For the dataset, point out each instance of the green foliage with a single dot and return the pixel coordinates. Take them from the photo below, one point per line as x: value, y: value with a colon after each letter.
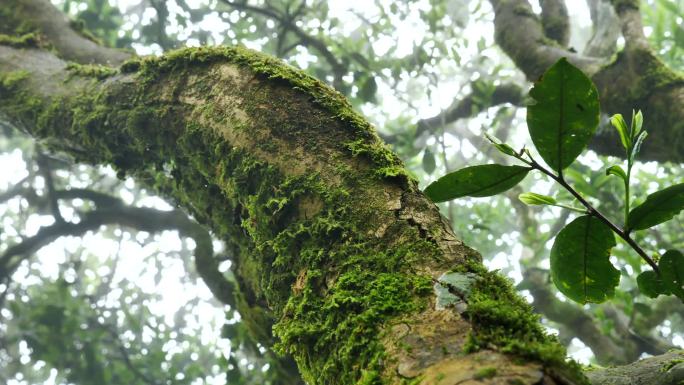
x: 476, y: 181
x: 659, y: 207
x: 531, y: 198
x: 565, y: 114
x: 580, y: 266
x: 672, y: 270
x: 650, y: 284
x: 561, y: 123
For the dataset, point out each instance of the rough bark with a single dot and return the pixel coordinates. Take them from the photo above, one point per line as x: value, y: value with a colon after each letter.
x: 635, y: 79
x: 341, y: 261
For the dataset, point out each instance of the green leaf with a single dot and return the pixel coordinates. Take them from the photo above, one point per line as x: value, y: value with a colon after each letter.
x: 503, y: 147
x: 530, y: 198
x: 672, y: 272
x: 659, y: 207
x: 637, y: 123
x: 637, y: 145
x: 621, y: 126
x: 650, y: 284
x: 429, y: 163
x: 476, y: 181
x: 565, y: 116
x: 580, y: 264
x: 617, y: 171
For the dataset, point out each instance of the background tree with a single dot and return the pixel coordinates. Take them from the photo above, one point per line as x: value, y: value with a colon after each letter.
x: 85, y: 321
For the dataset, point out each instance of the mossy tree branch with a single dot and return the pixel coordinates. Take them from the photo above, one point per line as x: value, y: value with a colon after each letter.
x: 334, y: 245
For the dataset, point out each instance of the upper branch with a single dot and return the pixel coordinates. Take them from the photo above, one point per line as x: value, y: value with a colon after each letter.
x: 54, y: 26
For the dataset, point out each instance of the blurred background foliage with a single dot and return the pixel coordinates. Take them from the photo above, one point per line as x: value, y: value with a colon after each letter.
x: 117, y: 301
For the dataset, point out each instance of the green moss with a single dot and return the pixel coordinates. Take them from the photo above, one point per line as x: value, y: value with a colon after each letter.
x: 10, y: 80
x: 485, y: 373
x: 91, y: 70
x: 671, y: 364
x: 501, y: 318
x: 389, y: 165
x: 28, y: 40
x: 150, y: 68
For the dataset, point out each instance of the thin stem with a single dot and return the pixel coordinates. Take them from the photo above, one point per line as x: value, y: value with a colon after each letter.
x: 629, y: 174
x: 592, y: 211
x: 576, y: 209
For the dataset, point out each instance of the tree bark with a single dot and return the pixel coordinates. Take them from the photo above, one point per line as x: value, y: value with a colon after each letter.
x: 341, y: 261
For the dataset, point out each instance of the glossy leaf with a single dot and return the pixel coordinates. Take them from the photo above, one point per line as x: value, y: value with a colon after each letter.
x: 580, y: 265
x: 617, y: 171
x: 650, y: 284
x: 530, y: 198
x: 659, y: 207
x: 621, y: 126
x: 476, y: 181
x: 672, y: 272
x: 565, y: 116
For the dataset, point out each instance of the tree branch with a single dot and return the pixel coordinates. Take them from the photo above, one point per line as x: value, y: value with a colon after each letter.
x: 667, y: 369
x: 277, y: 163
x: 606, y: 29
x: 55, y: 28
x: 555, y: 21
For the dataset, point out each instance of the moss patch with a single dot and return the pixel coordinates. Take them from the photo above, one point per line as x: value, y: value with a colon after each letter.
x: 91, y: 70
x: 28, y: 40
x: 501, y: 318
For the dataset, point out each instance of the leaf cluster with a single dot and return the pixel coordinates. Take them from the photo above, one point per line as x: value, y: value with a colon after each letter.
x: 562, y: 120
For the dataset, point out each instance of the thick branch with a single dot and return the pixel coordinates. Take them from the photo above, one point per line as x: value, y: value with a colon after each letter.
x: 55, y: 27
x: 667, y: 369
x: 277, y: 163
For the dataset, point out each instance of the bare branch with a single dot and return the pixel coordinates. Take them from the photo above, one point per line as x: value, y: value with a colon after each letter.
x: 666, y: 369
x: 555, y: 20
x: 54, y: 25
x: 606, y: 29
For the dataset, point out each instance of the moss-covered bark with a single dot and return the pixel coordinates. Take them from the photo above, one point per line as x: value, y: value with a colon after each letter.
x: 341, y: 261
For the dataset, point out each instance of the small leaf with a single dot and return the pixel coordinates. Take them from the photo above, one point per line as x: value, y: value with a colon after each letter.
x: 503, y: 147
x: 637, y: 123
x: 531, y: 198
x: 476, y: 181
x: 617, y: 171
x: 650, y: 284
x: 637, y: 145
x: 659, y: 207
x: 565, y: 116
x: 429, y: 163
x: 580, y: 264
x: 621, y: 126
x: 672, y: 272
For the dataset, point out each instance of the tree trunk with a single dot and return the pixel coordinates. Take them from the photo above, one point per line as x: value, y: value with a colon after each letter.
x: 341, y: 261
